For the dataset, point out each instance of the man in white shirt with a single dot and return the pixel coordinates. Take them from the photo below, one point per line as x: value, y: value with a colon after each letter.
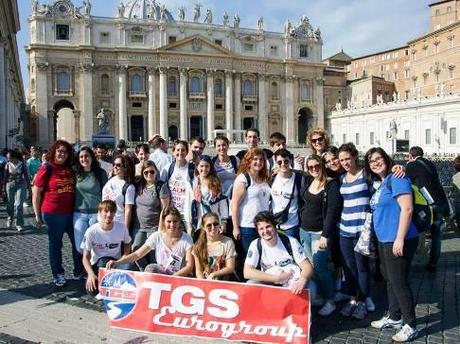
x: 276, y: 259
x: 160, y: 155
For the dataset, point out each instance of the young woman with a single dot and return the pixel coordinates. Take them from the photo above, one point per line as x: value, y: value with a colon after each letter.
x: 172, y: 246
x: 251, y: 195
x: 16, y: 182
x: 52, y: 198
x: 317, y: 140
x: 152, y: 195
x: 207, y: 192
x: 121, y: 190
x: 397, y: 242
x: 142, y: 154
x: 213, y: 252
x: 179, y: 176
x: 320, y: 213
x: 226, y: 166
x: 332, y: 161
x: 90, y: 179
x: 356, y: 192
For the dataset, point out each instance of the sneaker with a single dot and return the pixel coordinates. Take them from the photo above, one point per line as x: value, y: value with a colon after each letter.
x: 60, y: 281
x: 406, y: 334
x: 327, y: 309
x: 19, y: 228
x: 386, y: 322
x: 9, y: 222
x: 360, y: 311
x: 348, y: 309
x: 340, y: 297
x: 369, y: 304
x: 99, y: 296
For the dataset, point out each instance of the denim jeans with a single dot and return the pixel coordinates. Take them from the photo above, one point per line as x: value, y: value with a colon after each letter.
x: 139, y: 238
x: 436, y: 235
x: 320, y: 260
x: 355, y: 269
x: 81, y: 222
x: 57, y: 225
x: 293, y: 232
x: 248, y: 235
x: 16, y: 195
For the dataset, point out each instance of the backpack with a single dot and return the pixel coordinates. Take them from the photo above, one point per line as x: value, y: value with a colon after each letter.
x: 282, y: 216
x: 233, y: 161
x: 423, y: 211
x: 286, y: 243
x: 191, y: 171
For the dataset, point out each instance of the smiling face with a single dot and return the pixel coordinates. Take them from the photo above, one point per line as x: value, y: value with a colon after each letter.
x: 332, y: 162
x: 150, y: 175
x: 314, y: 167
x: 252, y: 140
x: 197, y: 148
x: 85, y: 160
x: 61, y: 155
x: 203, y: 168
x: 180, y: 152
x: 143, y: 155
x: 118, y: 168
x: 279, y: 145
x: 221, y: 147
x: 347, y: 161
x: 171, y: 223
x: 257, y: 164
x: 318, y: 142
x: 377, y: 164
x: 106, y: 216
x: 266, y: 231
x: 284, y: 164
x: 212, y: 227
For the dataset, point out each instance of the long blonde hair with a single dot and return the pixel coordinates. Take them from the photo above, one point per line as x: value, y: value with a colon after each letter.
x: 200, y: 249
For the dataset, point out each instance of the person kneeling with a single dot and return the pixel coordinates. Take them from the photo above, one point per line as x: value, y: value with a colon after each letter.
x: 102, y: 242
x: 276, y: 258
x: 172, y: 246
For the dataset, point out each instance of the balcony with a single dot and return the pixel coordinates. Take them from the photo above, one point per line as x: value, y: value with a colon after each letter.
x: 197, y: 95
x: 137, y: 94
x: 63, y: 92
x: 249, y: 99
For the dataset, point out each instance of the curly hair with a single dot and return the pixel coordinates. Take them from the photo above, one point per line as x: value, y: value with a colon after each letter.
x: 128, y: 166
x: 317, y: 131
x: 246, y: 163
x: 95, y: 165
x: 61, y: 143
x: 200, y: 249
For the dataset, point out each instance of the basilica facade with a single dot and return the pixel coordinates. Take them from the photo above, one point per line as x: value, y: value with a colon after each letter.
x: 150, y: 72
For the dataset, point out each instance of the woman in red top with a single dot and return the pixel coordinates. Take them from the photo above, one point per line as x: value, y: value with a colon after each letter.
x: 53, y: 195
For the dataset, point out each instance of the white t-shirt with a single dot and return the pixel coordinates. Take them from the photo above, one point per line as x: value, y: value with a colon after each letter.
x: 257, y: 199
x: 275, y: 255
x: 281, y: 192
x: 161, y: 159
x: 170, y: 260
x: 106, y: 166
x: 113, y: 190
x: 104, y: 243
x: 178, y: 184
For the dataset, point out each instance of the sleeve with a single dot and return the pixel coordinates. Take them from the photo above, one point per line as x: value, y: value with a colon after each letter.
x: 164, y: 191
x: 152, y: 240
x: 188, y: 241
x: 86, y: 242
x: 130, y: 195
x: 164, y: 173
x: 252, y: 258
x: 40, y: 177
x: 241, y: 179
x: 297, y: 251
x: 230, y: 250
x: 334, y: 205
x: 400, y: 186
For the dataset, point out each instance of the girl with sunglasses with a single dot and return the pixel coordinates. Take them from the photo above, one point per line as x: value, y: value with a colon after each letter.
x: 213, y: 252
x: 152, y: 195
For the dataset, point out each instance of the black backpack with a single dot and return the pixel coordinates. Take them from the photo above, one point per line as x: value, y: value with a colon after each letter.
x: 284, y: 239
x: 233, y: 161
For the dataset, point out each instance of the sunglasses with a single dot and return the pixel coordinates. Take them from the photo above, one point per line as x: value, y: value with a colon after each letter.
x: 317, y: 140
x: 283, y: 162
x: 313, y: 167
x: 214, y: 224
x: 149, y: 172
x: 118, y: 165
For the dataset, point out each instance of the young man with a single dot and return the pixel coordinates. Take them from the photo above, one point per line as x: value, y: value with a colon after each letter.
x: 102, y: 242
x: 101, y: 154
x: 142, y: 154
x: 196, y: 149
x: 251, y: 137
x: 160, y: 155
x: 422, y: 173
x: 278, y: 141
x: 276, y: 259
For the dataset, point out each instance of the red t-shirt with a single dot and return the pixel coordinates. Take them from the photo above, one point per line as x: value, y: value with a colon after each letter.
x: 59, y: 188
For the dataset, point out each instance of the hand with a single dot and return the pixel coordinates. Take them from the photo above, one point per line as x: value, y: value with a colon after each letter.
x: 283, y: 277
x: 111, y: 264
x: 322, y: 242
x: 299, y: 159
x: 38, y: 221
x: 236, y: 233
x: 211, y: 276
x: 398, y: 247
x: 91, y: 283
x: 197, y: 194
x: 298, y: 286
x: 398, y: 171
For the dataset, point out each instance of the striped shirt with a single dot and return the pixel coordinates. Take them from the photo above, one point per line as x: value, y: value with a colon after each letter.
x: 356, y: 196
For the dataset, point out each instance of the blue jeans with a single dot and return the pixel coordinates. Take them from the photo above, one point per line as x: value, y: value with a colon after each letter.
x: 436, y: 235
x: 16, y: 195
x: 139, y: 238
x: 293, y: 232
x: 57, y: 225
x: 81, y: 222
x: 320, y: 260
x: 248, y: 235
x: 355, y: 270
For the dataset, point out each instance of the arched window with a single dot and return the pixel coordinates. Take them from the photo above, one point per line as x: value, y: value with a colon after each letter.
x: 32, y: 84
x: 218, y: 88
x: 105, y: 82
x: 306, y: 92
x: 274, y: 90
x: 63, y: 82
x: 172, y: 86
x: 248, y: 88
x: 196, y: 85
x: 136, y: 83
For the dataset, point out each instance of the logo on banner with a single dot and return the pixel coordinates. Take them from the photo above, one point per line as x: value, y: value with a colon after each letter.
x: 119, y: 291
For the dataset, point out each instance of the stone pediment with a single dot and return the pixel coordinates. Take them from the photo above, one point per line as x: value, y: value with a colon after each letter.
x: 197, y: 44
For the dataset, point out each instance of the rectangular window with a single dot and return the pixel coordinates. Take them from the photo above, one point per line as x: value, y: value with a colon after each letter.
x: 303, y: 50
x: 357, y: 139
x: 172, y: 39
x: 62, y: 32
x: 453, y: 136
x: 428, y: 136
x: 451, y: 73
x: 218, y: 42
x: 248, y: 47
x: 173, y: 105
x: 406, y: 134
x: 437, y: 12
x: 382, y: 68
x: 344, y: 138
x: 248, y: 108
x: 136, y: 105
x: 395, y: 76
x: 449, y: 9
x: 219, y: 107
x: 371, y: 138
x: 407, y: 74
x: 137, y: 38
x: 274, y: 50
x: 104, y: 37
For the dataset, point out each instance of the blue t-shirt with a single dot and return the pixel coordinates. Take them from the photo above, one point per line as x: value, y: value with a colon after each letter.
x: 386, y: 210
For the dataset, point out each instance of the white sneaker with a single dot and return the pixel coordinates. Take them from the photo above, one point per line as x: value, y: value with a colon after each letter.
x: 386, y: 322
x: 99, y: 296
x: 19, y: 228
x: 370, y: 304
x: 327, y: 309
x: 60, y: 280
x: 406, y: 334
x: 9, y: 222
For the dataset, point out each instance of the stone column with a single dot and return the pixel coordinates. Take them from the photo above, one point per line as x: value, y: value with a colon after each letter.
x: 163, y: 103
x: 289, y: 111
x: 77, y: 116
x: 151, y: 123
x: 228, y: 102
x: 183, y: 133
x: 238, y: 105
x: 262, y: 107
x: 210, y: 98
x: 318, y: 96
x: 86, y: 104
x: 122, y: 114
x: 45, y: 130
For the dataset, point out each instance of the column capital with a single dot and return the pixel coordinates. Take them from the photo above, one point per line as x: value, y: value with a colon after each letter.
x: 151, y: 70
x: 183, y: 71
x: 228, y: 72
x: 42, y: 66
x: 163, y: 70
x: 76, y: 114
x: 262, y: 76
x: 211, y: 72
x: 121, y: 68
x: 290, y: 78
x: 86, y: 67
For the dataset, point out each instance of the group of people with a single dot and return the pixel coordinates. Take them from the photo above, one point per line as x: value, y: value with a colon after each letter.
x: 261, y: 216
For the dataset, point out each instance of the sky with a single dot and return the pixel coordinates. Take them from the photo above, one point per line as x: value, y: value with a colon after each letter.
x: 359, y: 27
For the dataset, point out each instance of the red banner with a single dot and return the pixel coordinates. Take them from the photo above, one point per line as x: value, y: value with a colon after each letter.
x: 212, y: 309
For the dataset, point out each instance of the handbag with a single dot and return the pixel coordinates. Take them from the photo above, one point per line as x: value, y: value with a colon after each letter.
x: 365, y: 245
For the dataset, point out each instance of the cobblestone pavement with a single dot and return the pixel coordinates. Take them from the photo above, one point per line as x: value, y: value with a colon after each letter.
x: 24, y: 269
